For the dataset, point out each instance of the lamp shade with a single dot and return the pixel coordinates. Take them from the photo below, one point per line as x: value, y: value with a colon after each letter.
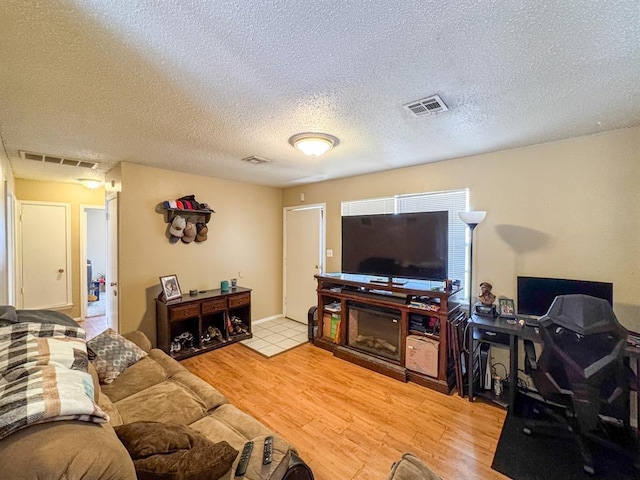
x: 472, y: 218
x: 313, y: 144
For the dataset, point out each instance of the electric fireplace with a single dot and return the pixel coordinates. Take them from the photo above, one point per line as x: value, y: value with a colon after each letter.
x: 374, y: 330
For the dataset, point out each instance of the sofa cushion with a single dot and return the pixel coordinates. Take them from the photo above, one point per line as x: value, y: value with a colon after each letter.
x: 166, y: 402
x: 139, y: 338
x: 65, y: 450
x: 236, y: 427
x: 110, y: 409
x: 113, y: 354
x: 169, y: 451
x: 144, y: 374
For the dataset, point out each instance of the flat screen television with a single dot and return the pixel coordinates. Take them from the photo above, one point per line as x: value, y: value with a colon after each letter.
x: 535, y: 295
x: 403, y: 245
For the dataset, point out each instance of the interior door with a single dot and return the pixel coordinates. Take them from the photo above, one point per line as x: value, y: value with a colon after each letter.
x: 111, y: 280
x: 303, y: 256
x: 45, y: 255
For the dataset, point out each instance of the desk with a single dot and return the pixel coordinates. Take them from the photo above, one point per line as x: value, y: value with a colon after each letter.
x: 493, y: 326
x: 501, y: 329
x: 634, y: 354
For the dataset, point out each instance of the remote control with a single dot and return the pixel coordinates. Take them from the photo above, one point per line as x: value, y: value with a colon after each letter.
x: 241, y: 469
x: 267, y: 454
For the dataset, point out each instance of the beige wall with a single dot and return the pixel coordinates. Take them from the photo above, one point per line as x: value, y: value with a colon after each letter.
x: 568, y: 209
x: 76, y: 195
x: 244, y: 241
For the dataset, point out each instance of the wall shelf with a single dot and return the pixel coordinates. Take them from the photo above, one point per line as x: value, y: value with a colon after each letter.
x: 200, y: 216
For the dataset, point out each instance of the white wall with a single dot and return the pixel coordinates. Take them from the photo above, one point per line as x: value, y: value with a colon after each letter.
x: 97, y: 241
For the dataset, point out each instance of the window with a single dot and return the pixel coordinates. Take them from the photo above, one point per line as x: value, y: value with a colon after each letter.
x: 452, y: 201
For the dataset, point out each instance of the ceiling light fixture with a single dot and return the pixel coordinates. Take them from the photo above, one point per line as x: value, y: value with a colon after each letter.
x: 313, y: 144
x: 90, y: 183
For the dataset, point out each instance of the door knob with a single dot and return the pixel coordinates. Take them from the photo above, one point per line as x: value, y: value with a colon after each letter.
x: 61, y: 270
x: 113, y: 284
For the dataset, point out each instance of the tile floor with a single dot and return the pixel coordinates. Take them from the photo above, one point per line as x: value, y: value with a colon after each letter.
x: 276, y: 336
x: 97, y: 308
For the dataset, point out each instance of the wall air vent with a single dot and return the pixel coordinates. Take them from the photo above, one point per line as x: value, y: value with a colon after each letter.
x: 255, y: 160
x: 41, y: 157
x: 426, y: 106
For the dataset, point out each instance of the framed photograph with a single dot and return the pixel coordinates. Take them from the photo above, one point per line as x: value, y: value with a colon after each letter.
x: 506, y: 308
x: 170, y: 287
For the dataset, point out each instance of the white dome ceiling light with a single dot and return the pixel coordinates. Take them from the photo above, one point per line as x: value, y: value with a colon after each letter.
x: 313, y: 144
x: 90, y: 183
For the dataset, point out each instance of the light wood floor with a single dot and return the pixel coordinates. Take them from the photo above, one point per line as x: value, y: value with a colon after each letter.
x: 350, y: 423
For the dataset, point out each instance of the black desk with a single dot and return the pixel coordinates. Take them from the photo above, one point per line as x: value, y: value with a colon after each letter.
x: 511, y: 333
x: 634, y: 354
x: 504, y: 333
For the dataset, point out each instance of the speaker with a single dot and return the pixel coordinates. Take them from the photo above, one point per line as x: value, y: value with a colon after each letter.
x: 312, y: 322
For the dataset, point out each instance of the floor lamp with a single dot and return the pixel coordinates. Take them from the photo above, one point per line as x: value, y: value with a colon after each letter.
x: 472, y: 219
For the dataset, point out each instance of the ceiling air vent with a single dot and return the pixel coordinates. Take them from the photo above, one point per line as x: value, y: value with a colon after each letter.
x: 41, y: 157
x: 255, y: 160
x: 426, y: 106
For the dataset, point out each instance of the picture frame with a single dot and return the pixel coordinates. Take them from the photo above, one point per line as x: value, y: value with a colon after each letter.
x: 170, y: 287
x: 506, y: 308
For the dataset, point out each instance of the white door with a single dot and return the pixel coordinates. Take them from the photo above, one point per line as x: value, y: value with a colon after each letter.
x: 111, y: 280
x: 304, y: 235
x: 45, y: 255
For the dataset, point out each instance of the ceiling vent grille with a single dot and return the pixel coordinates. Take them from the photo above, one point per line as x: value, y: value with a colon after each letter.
x: 255, y: 160
x: 426, y: 106
x: 41, y: 157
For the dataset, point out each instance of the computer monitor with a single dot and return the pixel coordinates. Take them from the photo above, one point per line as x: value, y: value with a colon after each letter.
x: 535, y: 294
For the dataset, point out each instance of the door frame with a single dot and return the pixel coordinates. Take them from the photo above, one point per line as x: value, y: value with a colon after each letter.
x: 112, y: 251
x: 321, y: 256
x: 19, y: 253
x: 11, y: 242
x: 84, y: 291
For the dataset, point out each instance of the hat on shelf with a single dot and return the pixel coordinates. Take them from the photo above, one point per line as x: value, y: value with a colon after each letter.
x: 189, y: 233
x: 177, y: 228
x: 202, y: 232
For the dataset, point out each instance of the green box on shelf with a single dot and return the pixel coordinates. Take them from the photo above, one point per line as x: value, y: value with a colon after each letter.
x: 335, y: 320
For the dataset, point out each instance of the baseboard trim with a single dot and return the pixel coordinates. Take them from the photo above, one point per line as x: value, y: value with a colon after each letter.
x: 266, y: 319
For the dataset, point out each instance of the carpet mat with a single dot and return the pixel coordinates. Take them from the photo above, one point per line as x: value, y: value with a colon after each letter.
x: 542, y: 457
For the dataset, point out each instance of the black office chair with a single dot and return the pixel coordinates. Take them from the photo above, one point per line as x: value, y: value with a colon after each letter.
x: 582, y: 369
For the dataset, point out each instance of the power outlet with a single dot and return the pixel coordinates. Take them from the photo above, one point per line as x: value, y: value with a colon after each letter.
x: 329, y: 253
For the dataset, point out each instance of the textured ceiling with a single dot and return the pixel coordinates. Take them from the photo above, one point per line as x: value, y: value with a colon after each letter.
x: 196, y: 86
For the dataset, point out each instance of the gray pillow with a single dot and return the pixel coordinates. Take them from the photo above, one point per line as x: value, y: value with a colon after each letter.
x: 8, y: 315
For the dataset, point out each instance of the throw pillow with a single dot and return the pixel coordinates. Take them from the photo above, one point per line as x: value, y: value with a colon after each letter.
x: 112, y: 354
x: 174, y: 452
x: 8, y: 315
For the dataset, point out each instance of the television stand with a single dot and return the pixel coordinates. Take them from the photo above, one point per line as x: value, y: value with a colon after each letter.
x: 399, y: 330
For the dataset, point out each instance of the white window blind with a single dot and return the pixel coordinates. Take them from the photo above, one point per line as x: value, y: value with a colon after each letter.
x: 452, y: 201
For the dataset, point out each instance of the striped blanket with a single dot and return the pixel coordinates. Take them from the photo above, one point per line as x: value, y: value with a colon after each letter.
x: 44, y: 377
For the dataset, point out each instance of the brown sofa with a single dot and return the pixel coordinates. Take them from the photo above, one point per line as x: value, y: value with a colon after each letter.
x: 157, y: 388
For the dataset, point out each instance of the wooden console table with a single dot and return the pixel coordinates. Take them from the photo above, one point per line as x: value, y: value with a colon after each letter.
x: 194, y: 314
x: 340, y: 293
